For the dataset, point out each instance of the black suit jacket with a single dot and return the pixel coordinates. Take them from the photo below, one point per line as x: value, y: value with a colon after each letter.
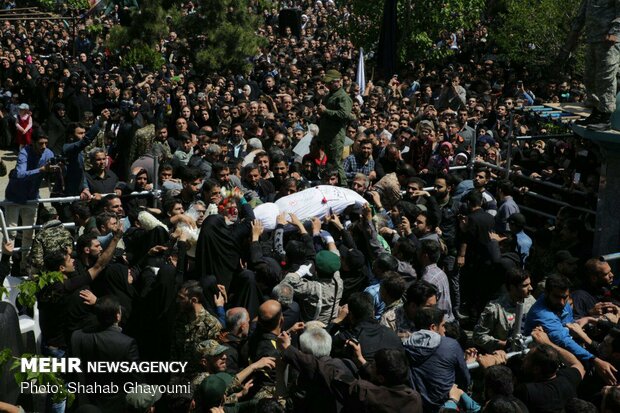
x: 109, y: 344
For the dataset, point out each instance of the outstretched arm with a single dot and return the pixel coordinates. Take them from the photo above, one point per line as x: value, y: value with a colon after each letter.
x: 106, y: 256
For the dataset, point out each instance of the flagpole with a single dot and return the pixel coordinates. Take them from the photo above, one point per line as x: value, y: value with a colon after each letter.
x: 361, y: 72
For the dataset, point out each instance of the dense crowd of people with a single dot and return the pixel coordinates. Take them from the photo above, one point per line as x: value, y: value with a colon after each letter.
x: 376, y: 308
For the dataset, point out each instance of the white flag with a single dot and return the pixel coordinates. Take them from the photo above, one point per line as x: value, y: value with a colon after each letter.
x: 361, y: 74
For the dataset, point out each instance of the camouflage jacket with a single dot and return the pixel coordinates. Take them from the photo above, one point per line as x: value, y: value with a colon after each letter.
x: 230, y: 395
x: 191, y: 332
x: 388, y: 318
x: 53, y: 237
x: 599, y: 18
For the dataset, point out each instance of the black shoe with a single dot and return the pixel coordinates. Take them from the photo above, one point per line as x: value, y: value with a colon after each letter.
x: 600, y: 127
x: 602, y: 124
x: 593, y: 118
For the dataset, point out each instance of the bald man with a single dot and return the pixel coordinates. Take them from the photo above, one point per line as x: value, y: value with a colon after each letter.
x: 234, y: 338
x: 263, y: 344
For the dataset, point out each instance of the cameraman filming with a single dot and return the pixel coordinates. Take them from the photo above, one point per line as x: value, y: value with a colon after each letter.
x: 33, y: 162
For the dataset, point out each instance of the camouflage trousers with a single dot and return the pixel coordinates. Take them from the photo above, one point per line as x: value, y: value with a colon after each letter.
x: 601, y: 66
x: 266, y: 392
x: 28, y: 215
x: 269, y: 392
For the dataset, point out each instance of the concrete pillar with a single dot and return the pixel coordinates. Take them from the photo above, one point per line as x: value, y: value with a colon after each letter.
x: 607, y: 235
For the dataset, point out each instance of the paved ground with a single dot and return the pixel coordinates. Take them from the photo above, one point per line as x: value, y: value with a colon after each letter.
x: 10, y: 158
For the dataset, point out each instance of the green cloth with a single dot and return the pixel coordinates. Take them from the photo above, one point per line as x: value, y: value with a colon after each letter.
x: 384, y: 244
x: 211, y: 391
x: 327, y: 262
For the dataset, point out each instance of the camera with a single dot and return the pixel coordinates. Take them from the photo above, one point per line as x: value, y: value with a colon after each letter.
x: 56, y: 160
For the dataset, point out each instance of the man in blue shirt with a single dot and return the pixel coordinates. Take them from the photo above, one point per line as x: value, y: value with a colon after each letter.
x: 507, y: 206
x: 75, y: 184
x: 553, y: 312
x: 383, y: 263
x: 517, y: 223
x: 33, y: 162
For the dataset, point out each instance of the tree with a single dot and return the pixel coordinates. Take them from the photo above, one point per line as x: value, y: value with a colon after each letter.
x: 221, y: 35
x: 531, y: 32
x: 70, y: 4
x: 138, y: 42
x: 421, y: 25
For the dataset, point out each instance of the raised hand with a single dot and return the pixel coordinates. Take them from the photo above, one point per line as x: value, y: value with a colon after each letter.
x: 257, y: 229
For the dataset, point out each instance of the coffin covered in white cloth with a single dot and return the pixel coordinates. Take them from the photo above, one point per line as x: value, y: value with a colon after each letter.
x: 312, y: 202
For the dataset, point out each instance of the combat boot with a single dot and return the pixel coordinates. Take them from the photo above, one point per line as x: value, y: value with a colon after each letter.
x: 603, y: 123
x: 593, y: 118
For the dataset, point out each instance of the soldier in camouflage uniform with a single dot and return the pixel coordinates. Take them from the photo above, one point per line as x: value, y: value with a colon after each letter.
x: 335, y: 113
x: 52, y: 237
x: 211, y: 355
x: 601, y: 20
x: 194, y: 325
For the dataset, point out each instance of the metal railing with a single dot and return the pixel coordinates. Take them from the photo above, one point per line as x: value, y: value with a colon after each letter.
x: 35, y: 227
x: 62, y: 200
x: 69, y: 199
x: 458, y: 167
x: 558, y: 202
x: 611, y: 257
x: 527, y: 178
x: 5, y: 232
x: 536, y: 212
x: 545, y: 137
x: 475, y: 364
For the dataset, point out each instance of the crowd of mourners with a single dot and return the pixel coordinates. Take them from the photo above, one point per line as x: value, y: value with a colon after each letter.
x: 378, y: 308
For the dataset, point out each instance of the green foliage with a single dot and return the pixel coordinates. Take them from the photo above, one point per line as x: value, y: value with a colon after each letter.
x: 137, y: 42
x: 421, y: 25
x: 531, y: 32
x: 70, y: 4
x: 95, y: 29
x: 364, y: 23
x: 5, y: 355
x: 40, y: 378
x: 556, y: 127
x: 28, y: 290
x: 221, y: 35
x: 142, y: 55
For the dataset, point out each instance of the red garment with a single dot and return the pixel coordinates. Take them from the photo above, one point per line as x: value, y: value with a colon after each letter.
x: 319, y: 162
x: 24, y: 138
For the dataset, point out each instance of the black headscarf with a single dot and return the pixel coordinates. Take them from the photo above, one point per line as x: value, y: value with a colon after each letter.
x: 139, y: 241
x: 114, y: 281
x: 217, y: 252
x: 155, y: 312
